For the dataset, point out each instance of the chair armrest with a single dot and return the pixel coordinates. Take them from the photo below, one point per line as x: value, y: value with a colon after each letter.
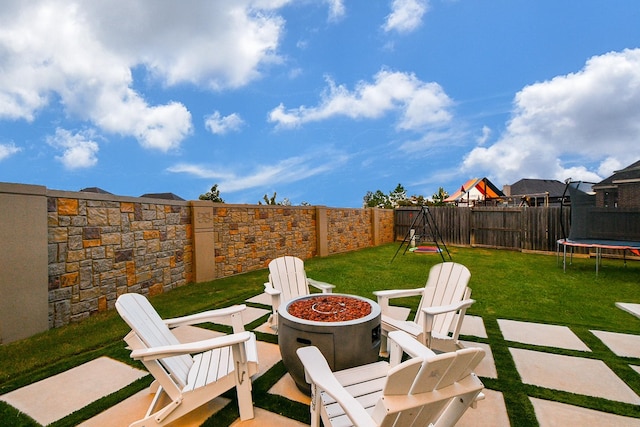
x: 398, y: 293
x: 268, y: 289
x: 190, y: 348
x: 448, y: 308
x: 205, y: 316
x: 409, y: 345
x: 317, y: 372
x: 326, y: 288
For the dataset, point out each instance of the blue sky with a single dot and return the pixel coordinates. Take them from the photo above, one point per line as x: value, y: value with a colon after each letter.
x: 319, y: 101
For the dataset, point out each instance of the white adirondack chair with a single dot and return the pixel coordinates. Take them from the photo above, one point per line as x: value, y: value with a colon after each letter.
x: 425, y: 390
x: 182, y: 382
x: 439, y: 316
x: 288, y: 280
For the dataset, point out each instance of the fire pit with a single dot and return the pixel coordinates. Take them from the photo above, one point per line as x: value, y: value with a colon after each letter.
x: 345, y: 328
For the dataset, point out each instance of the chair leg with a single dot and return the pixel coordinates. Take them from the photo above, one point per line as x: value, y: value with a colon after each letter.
x: 384, y: 345
x: 316, y: 405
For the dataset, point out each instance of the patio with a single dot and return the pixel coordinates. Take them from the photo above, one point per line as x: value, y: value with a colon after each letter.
x: 541, y: 368
x: 535, y: 373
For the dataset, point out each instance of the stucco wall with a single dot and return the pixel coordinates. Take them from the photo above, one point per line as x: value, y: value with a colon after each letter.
x: 23, y: 264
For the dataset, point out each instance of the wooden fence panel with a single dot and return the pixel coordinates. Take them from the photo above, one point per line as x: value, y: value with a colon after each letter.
x: 496, y: 228
x: 517, y: 228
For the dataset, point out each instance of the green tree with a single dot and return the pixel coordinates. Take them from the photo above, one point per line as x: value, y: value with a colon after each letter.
x: 377, y: 200
x: 438, y: 198
x: 398, y: 197
x: 213, y: 195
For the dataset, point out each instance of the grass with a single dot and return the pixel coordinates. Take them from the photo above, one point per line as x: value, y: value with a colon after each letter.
x: 505, y: 284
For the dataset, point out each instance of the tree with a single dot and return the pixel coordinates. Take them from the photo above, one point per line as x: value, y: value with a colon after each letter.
x: 377, y: 200
x: 213, y: 195
x: 438, y: 198
x: 398, y: 196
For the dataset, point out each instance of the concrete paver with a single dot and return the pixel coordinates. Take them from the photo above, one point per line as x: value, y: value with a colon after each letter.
x: 573, y: 374
x: 630, y: 308
x: 63, y: 394
x: 623, y: 345
x: 473, y: 325
x: 541, y: 334
x: 556, y: 414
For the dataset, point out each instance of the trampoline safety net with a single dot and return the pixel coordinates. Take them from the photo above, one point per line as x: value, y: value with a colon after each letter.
x: 589, y: 222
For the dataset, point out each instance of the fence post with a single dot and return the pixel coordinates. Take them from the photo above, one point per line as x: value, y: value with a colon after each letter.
x: 322, y: 231
x: 24, y: 307
x: 204, y: 257
x: 375, y: 226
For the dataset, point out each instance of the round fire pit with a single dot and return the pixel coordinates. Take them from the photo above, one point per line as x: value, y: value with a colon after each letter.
x: 345, y: 328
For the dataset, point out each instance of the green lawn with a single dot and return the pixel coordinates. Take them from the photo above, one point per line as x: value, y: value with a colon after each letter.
x: 505, y: 284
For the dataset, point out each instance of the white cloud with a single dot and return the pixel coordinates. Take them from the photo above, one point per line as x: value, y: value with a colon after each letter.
x: 219, y: 125
x: 289, y: 170
x: 7, y: 150
x: 486, y: 133
x: 336, y: 9
x: 81, y: 54
x: 591, y: 117
x: 420, y: 104
x: 79, y: 150
x: 406, y: 15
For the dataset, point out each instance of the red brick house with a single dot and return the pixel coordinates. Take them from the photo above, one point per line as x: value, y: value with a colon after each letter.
x: 620, y: 190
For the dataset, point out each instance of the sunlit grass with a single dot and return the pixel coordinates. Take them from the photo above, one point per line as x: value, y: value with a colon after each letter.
x: 505, y: 284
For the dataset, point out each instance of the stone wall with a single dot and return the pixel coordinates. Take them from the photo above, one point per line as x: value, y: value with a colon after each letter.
x: 101, y: 246
x: 247, y: 237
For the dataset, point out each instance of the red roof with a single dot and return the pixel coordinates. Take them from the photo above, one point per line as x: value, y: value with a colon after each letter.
x: 483, y: 185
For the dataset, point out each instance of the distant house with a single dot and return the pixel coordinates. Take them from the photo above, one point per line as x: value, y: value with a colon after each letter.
x: 535, y: 192
x: 620, y: 190
x: 165, y: 196
x: 94, y: 190
x: 476, y: 192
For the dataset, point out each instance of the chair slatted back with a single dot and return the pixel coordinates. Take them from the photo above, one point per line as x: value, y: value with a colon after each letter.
x: 408, y: 395
x: 143, y: 319
x: 287, y: 275
x: 447, y: 283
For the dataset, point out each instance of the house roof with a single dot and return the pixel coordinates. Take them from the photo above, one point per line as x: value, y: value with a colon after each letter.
x: 94, y: 190
x: 165, y: 196
x: 531, y: 187
x: 630, y: 173
x: 483, y: 185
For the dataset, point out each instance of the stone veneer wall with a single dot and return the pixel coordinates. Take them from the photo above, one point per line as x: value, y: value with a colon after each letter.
x: 101, y: 246
x: 247, y: 237
x: 88, y: 248
x: 352, y: 229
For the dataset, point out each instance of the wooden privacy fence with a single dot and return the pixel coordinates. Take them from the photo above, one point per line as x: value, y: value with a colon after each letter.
x: 530, y: 228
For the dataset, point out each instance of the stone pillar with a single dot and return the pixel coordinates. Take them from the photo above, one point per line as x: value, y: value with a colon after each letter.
x: 24, y: 308
x: 322, y: 231
x: 375, y: 226
x: 204, y: 261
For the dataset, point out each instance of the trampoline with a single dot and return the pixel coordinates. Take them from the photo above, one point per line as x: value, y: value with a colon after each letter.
x: 597, y: 228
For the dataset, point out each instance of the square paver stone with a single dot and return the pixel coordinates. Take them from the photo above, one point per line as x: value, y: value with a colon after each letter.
x: 263, y: 298
x: 135, y: 407
x: 489, y: 412
x: 487, y: 366
x: 552, y: 414
x: 56, y: 397
x: 630, y: 308
x: 573, y: 374
x: 474, y: 326
x: 623, y: 345
x: 541, y: 334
